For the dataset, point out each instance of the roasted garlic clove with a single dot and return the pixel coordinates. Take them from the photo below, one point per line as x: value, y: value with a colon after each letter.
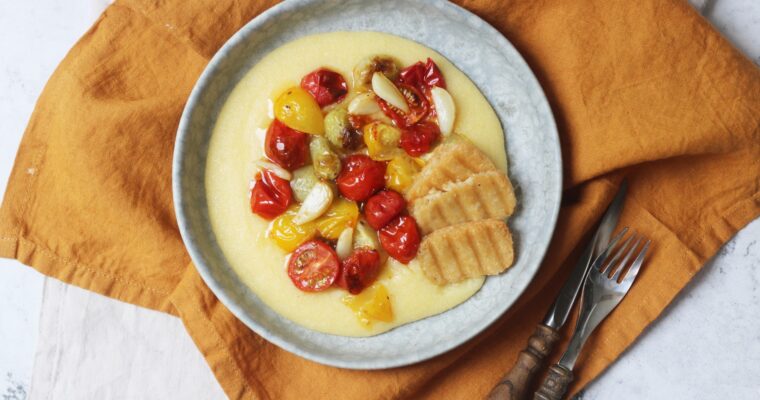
x: 386, y: 90
x: 276, y: 169
x: 444, y: 109
x: 316, y: 203
x: 345, y: 243
x: 365, y: 236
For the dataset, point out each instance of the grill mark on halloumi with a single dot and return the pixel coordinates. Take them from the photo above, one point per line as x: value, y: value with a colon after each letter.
x: 437, y: 264
x: 458, y: 264
x: 450, y: 162
x: 482, y: 196
x: 471, y: 243
x: 451, y: 255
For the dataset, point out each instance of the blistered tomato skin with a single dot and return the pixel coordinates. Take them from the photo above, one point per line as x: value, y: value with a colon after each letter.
x: 271, y: 195
x: 419, y: 139
x: 314, y: 266
x: 422, y: 76
x: 297, y: 109
x: 419, y: 106
x: 342, y: 214
x: 327, y: 87
x: 401, y: 238
x: 359, y: 270
x: 285, y: 146
x: 401, y: 171
x: 360, y: 177
x: 382, y: 208
x: 287, y: 234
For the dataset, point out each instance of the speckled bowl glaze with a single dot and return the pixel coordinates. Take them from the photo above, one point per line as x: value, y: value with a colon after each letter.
x: 532, y: 147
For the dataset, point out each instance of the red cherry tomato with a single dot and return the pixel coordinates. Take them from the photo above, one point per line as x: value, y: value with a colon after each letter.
x: 313, y: 266
x: 360, y: 177
x: 400, y: 238
x: 287, y: 147
x: 326, y: 86
x: 359, y: 270
x: 271, y: 195
x: 418, y: 107
x: 422, y: 76
x: 418, y: 139
x: 383, y: 207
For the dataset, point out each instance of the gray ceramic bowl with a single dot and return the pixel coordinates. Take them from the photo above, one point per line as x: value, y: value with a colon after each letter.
x: 501, y: 74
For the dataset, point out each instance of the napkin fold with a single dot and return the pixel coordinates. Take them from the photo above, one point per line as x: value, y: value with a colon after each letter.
x: 646, y: 90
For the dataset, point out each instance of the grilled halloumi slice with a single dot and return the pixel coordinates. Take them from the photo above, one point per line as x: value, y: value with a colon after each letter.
x: 451, y: 162
x: 467, y: 250
x: 481, y: 196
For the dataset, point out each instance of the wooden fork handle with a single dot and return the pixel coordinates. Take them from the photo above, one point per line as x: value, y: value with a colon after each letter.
x: 515, y: 383
x: 555, y: 385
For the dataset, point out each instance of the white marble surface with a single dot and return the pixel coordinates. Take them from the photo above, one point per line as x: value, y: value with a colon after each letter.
x: 61, y: 342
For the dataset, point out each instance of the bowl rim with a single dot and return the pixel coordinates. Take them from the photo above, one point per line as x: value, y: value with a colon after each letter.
x: 203, y: 267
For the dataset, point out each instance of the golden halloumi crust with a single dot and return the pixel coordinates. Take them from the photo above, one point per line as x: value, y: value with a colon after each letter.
x: 467, y: 250
x: 481, y: 196
x: 451, y: 162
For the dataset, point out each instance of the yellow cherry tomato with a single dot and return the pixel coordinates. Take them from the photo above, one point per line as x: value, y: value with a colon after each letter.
x: 373, y: 304
x: 341, y: 215
x: 381, y: 140
x: 287, y: 234
x: 401, y: 172
x: 297, y: 109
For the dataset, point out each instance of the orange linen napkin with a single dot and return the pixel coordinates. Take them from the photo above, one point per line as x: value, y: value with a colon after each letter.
x: 645, y: 89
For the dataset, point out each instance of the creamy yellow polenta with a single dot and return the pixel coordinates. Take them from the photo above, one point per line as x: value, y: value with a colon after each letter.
x: 238, y: 140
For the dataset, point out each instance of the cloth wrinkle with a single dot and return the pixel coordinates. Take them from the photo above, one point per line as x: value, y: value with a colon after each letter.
x: 650, y: 92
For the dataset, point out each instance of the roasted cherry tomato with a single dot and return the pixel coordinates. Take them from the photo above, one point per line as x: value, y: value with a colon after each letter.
x: 271, y: 195
x: 359, y: 270
x: 418, y: 139
x: 400, y: 238
x: 401, y: 171
x: 326, y: 86
x: 382, y: 208
x: 422, y: 76
x: 342, y: 214
x: 417, y: 102
x: 373, y: 304
x: 287, y: 234
x: 314, y: 266
x: 297, y: 109
x: 287, y: 147
x: 360, y: 177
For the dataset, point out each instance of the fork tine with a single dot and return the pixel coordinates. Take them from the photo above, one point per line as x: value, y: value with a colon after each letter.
x: 599, y: 260
x: 611, y: 264
x: 634, y: 270
x: 624, y: 261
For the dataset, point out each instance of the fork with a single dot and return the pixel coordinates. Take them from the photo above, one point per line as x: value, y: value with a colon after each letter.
x: 607, y: 283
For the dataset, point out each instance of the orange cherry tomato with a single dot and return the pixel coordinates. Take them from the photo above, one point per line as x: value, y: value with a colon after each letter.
x: 314, y: 266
